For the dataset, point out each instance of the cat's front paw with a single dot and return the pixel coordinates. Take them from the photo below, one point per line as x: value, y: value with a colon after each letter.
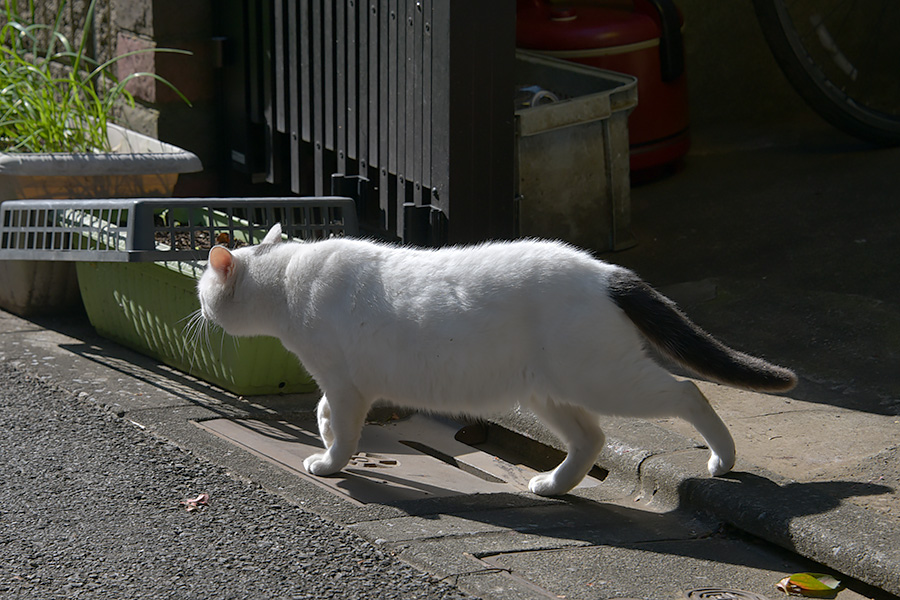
x: 321, y: 464
x: 718, y: 466
x: 546, y: 484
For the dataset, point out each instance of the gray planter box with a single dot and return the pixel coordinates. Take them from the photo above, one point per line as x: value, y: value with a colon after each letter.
x: 138, y: 167
x: 572, y: 155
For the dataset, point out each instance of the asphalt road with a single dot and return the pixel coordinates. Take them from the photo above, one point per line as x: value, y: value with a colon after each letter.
x: 90, y: 507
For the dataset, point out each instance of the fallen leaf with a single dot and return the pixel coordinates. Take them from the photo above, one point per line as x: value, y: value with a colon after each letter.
x: 223, y: 239
x: 814, y: 585
x: 193, y: 504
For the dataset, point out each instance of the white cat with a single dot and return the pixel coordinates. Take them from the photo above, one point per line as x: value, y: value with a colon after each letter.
x: 476, y: 330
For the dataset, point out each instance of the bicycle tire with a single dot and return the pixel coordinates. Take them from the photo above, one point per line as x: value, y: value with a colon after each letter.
x: 851, y: 80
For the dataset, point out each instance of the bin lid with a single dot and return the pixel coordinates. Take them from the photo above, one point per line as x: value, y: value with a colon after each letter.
x: 541, y: 25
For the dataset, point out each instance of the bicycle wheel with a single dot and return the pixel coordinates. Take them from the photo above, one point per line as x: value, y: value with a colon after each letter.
x: 843, y: 58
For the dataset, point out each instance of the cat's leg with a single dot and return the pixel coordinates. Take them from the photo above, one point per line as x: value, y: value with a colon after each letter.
x: 696, y: 409
x: 323, y: 416
x: 580, y: 431
x: 341, y: 416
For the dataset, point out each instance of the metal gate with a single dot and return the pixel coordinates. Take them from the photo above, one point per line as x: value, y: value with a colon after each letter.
x: 405, y: 105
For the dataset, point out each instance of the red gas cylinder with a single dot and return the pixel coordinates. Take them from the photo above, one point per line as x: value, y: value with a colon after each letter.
x: 638, y: 37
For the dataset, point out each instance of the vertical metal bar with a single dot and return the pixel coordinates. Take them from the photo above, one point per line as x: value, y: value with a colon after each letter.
x: 352, y: 59
x: 393, y: 112
x: 269, y: 99
x: 281, y: 72
x: 374, y: 130
x: 493, y: 208
x: 318, y: 80
x: 427, y: 19
x: 304, y: 41
x: 401, y: 120
x: 294, y: 36
x: 384, y: 120
x: 411, y: 87
x: 401, y: 91
x: 329, y: 68
x: 440, y: 107
x: 393, y: 89
x: 478, y: 119
x: 340, y: 75
x: 363, y: 72
x: 418, y: 31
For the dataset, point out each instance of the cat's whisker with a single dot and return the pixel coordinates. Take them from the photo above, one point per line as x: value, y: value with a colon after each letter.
x: 191, y: 316
x: 207, y: 336
x: 191, y: 331
x: 201, y: 338
x: 209, y: 345
x: 197, y: 337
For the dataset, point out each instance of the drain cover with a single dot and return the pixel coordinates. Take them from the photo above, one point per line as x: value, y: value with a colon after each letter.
x: 410, y: 459
x: 712, y: 593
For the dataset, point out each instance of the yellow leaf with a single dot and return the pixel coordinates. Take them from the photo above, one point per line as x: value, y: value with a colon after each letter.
x: 816, y: 585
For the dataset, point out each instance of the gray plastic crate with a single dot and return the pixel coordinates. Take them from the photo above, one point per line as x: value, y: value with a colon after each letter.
x: 163, y: 229
x: 573, y: 177
x: 138, y: 262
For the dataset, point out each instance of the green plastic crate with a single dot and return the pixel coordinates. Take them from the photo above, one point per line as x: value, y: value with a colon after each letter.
x: 147, y: 307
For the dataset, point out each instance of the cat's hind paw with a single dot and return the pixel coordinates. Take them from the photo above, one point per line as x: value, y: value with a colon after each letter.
x: 321, y: 464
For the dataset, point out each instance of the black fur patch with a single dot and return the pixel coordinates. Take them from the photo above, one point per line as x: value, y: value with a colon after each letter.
x: 669, y: 330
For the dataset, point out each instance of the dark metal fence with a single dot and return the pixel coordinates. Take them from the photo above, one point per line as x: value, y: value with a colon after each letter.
x: 405, y: 105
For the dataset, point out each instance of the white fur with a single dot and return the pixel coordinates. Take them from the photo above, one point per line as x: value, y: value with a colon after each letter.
x: 472, y: 330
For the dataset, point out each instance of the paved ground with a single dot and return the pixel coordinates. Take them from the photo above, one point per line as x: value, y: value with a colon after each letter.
x: 90, y: 508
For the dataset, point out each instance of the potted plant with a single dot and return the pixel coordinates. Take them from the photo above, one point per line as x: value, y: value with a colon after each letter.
x: 57, y: 141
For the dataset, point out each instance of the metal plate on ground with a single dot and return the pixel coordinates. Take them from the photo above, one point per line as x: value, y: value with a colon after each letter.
x: 409, y: 459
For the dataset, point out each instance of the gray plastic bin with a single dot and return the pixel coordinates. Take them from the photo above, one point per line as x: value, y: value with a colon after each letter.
x: 159, y: 229
x: 572, y: 155
x: 148, y: 305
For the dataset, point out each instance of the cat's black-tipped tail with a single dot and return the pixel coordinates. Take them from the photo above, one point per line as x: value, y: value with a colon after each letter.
x: 670, y: 331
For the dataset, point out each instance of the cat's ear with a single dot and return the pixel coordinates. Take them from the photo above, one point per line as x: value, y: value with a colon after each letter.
x: 221, y: 261
x: 274, y: 235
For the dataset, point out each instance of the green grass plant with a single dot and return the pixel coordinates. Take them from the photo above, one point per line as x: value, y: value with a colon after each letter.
x: 53, y: 96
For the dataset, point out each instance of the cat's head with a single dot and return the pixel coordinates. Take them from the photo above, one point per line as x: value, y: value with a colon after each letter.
x: 231, y: 290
